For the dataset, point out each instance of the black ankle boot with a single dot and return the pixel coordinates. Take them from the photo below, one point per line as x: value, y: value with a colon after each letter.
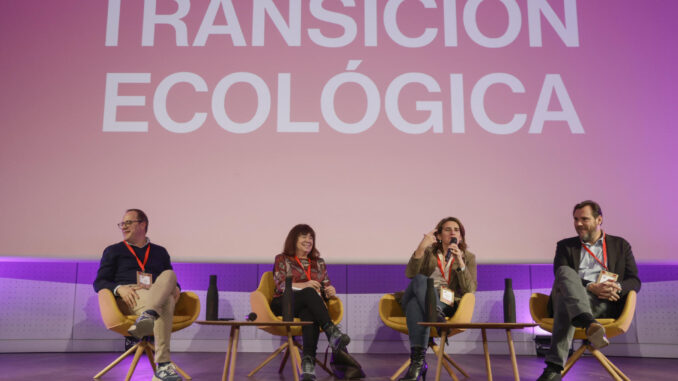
x: 308, y: 368
x: 336, y: 338
x: 418, y: 366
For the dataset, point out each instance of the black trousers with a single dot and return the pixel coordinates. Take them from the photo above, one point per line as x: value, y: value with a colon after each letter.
x: 308, y: 306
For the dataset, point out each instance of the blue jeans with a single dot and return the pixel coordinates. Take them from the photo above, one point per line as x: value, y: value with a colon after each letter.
x: 413, y: 303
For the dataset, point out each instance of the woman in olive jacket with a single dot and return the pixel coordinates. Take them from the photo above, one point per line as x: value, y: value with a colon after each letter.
x: 442, y: 256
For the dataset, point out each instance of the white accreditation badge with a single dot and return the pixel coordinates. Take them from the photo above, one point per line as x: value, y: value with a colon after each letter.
x: 446, y: 296
x: 144, y: 280
x: 604, y: 276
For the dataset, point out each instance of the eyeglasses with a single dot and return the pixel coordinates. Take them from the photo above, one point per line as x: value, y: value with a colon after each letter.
x: 127, y: 223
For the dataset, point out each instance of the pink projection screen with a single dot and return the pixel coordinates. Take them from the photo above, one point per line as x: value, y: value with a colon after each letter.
x: 229, y: 121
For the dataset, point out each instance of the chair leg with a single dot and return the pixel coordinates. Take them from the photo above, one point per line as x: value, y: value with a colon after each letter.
x: 116, y: 362
x: 615, y: 372
x: 400, y: 370
x: 151, y: 356
x: 295, y: 357
x: 573, y: 359
x: 137, y: 355
x: 283, y: 362
x: 619, y: 372
x: 268, y: 359
x: 181, y: 371
x: 605, y: 363
x: 445, y: 357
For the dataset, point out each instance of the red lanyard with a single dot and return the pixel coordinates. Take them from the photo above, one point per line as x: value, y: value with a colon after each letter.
x: 142, y: 265
x: 594, y: 256
x: 308, y: 272
x: 442, y: 272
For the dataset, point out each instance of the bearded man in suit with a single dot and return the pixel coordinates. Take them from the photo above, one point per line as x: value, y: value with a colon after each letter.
x: 578, y: 298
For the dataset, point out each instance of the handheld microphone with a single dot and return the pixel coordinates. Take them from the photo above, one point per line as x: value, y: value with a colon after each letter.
x: 251, y: 317
x: 453, y: 241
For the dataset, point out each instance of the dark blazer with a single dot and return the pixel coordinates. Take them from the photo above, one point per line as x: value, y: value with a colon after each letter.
x: 620, y: 261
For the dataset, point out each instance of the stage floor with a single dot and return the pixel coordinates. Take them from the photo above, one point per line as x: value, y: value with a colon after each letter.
x: 208, y: 366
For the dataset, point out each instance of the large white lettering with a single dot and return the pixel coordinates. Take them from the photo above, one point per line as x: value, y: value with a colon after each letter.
x: 478, y: 103
x: 160, y: 102
x: 290, y: 27
x: 345, y: 22
x: 263, y: 103
x: 284, y: 109
x: 290, y: 32
x: 112, y: 101
x: 554, y: 84
x: 393, y: 31
x: 151, y: 19
x: 553, y: 87
x: 231, y: 28
x: 435, y: 108
x: 512, y: 30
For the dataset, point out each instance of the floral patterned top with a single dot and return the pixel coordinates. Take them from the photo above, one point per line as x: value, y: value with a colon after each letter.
x: 285, y: 265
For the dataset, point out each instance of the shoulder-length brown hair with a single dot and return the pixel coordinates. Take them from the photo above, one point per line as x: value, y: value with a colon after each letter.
x: 439, y: 229
x: 290, y: 248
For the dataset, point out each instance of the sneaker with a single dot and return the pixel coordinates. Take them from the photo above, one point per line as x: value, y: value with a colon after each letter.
x: 550, y: 374
x: 144, y: 324
x: 166, y: 372
x: 130, y: 341
x: 308, y: 368
x: 595, y: 333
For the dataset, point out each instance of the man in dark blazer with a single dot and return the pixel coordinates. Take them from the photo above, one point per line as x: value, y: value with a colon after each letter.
x: 577, y: 297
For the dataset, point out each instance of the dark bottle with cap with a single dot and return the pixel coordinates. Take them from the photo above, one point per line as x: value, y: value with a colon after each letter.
x: 430, y: 302
x: 509, y: 302
x: 212, y: 305
x: 288, y: 300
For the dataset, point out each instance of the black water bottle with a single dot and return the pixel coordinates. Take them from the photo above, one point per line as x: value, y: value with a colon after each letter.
x: 430, y: 302
x: 212, y: 307
x: 509, y: 302
x: 288, y: 301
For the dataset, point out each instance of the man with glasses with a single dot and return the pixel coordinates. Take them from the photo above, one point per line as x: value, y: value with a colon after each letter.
x: 140, y: 273
x: 594, y: 272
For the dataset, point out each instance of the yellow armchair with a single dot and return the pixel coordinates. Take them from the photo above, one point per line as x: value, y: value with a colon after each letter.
x: 186, y: 312
x: 613, y: 327
x: 260, y: 301
x: 393, y: 317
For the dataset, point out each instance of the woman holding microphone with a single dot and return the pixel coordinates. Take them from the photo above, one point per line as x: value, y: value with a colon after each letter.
x: 442, y: 256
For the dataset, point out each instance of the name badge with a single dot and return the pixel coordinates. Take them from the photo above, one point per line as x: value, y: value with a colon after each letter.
x: 604, y: 276
x: 446, y: 296
x: 144, y: 280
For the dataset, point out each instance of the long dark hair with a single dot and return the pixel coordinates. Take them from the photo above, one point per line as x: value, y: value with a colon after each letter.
x: 439, y: 229
x: 290, y: 248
